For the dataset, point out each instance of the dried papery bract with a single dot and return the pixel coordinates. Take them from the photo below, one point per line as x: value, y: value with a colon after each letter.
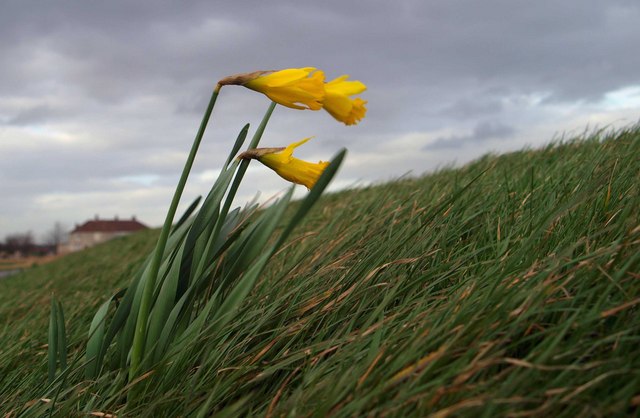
x: 241, y: 78
x: 256, y: 153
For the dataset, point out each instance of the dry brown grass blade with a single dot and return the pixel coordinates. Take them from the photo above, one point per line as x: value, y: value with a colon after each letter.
x: 264, y: 351
x: 467, y: 403
x: 278, y: 394
x: 620, y: 308
x: 528, y: 365
x: 589, y: 384
x: 416, y: 367
x: 138, y: 380
x: 368, y: 277
x: 370, y: 368
x: 102, y: 414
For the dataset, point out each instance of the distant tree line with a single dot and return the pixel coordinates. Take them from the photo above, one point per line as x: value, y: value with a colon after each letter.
x: 20, y: 243
x: 24, y: 243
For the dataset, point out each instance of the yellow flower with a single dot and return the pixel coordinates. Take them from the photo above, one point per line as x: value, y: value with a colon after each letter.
x: 338, y: 103
x: 297, y: 88
x: 282, y: 161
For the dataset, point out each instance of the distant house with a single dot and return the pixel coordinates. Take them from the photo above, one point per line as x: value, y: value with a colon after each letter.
x: 97, y: 231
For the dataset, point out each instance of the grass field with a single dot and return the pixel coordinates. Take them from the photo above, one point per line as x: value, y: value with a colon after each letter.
x: 25, y: 262
x: 508, y: 287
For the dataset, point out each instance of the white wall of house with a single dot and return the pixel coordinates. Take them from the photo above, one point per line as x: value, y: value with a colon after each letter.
x: 81, y: 240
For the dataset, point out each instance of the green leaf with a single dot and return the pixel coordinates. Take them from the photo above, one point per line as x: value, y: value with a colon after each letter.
x: 255, y: 237
x: 240, y: 291
x: 187, y: 213
x: 164, y: 304
x: 62, y: 337
x: 96, y: 339
x: 52, y: 349
x: 204, y: 219
x: 242, y: 136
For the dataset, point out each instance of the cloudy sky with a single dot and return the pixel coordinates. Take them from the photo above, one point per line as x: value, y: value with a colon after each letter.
x: 100, y: 101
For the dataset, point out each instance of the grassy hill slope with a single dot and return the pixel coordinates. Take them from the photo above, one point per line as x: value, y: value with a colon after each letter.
x: 510, y: 286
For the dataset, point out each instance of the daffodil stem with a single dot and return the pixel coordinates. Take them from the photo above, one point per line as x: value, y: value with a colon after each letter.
x: 245, y: 163
x: 265, y: 119
x: 140, y: 335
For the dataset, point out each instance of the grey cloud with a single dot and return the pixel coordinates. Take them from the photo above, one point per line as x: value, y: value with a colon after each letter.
x: 468, y: 107
x: 128, y: 81
x: 543, y: 45
x: 34, y: 115
x: 482, y: 132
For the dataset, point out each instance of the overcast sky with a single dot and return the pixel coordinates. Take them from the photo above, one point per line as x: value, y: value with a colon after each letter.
x: 100, y: 101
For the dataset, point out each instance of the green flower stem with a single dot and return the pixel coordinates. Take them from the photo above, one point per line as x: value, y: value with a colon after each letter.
x: 244, y: 164
x: 139, y: 338
x: 237, y: 180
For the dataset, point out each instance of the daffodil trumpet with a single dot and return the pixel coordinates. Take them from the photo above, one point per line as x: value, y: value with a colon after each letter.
x: 282, y: 161
x: 338, y: 101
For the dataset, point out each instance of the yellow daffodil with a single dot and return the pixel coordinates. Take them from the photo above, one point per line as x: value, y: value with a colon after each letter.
x: 340, y: 105
x: 297, y: 88
x: 282, y: 161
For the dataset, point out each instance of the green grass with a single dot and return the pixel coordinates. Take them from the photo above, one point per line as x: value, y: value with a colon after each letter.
x: 510, y: 286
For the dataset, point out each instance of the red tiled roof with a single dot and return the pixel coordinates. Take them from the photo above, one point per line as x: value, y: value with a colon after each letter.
x: 110, y: 225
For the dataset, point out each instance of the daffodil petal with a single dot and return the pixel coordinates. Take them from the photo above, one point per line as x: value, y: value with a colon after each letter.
x: 297, y: 88
x: 340, y: 105
x: 288, y: 76
x: 341, y: 86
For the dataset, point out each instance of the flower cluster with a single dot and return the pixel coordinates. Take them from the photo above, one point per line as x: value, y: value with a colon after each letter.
x: 301, y: 88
